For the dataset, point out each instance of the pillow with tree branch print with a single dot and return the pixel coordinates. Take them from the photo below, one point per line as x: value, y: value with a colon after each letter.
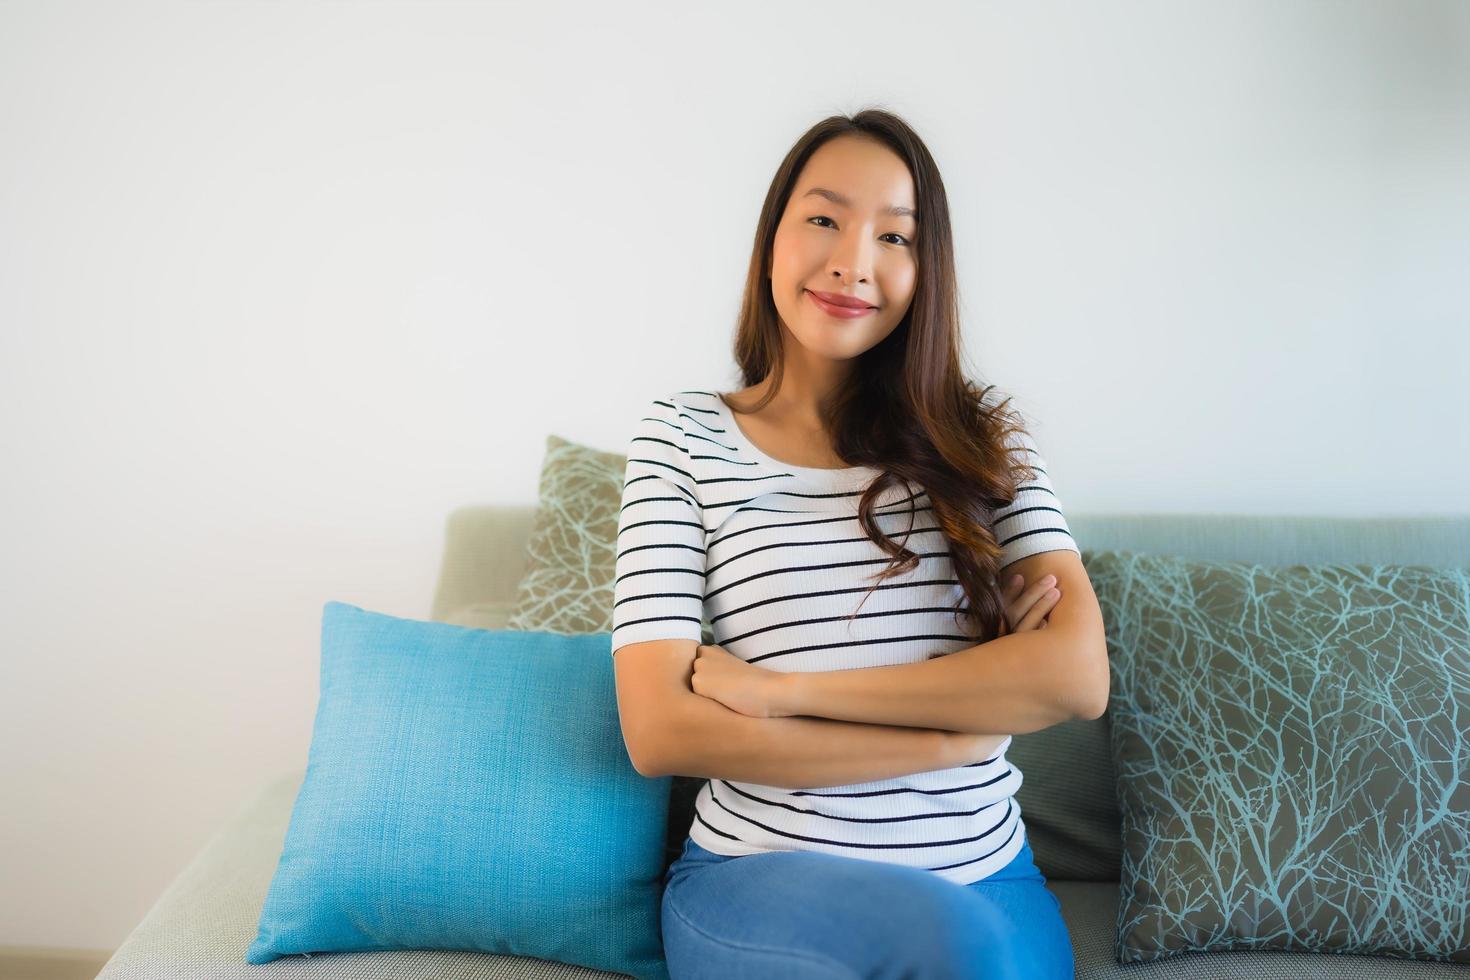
x: 571, y: 552
x: 1292, y: 750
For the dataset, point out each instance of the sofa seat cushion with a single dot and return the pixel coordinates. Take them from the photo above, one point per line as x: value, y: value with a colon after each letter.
x: 1090, y: 909
x: 206, y: 919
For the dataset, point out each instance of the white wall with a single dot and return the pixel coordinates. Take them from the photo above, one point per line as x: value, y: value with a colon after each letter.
x: 282, y: 284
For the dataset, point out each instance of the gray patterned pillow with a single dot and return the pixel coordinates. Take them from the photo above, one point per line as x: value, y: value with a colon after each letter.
x: 1292, y: 748
x: 571, y: 551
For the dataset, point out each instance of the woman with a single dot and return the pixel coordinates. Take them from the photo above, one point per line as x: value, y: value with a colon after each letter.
x: 851, y: 507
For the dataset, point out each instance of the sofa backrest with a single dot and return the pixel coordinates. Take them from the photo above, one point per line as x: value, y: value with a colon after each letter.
x: 485, y: 545
x: 1068, y: 794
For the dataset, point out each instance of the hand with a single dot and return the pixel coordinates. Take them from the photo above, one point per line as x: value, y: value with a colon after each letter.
x: 739, y: 686
x: 1027, y: 608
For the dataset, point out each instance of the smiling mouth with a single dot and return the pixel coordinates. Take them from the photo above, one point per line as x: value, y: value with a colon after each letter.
x: 835, y: 310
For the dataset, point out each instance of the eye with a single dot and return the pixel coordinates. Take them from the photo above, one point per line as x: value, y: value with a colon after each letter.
x: 905, y: 242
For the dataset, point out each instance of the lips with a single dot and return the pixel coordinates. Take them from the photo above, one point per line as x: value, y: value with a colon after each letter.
x: 839, y: 312
x: 842, y: 299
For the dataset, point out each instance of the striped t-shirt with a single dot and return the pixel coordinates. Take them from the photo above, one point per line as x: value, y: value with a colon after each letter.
x: 772, y: 557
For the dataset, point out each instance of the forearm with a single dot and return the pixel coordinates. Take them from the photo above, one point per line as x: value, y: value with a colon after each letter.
x: 707, y: 739
x: 1015, y: 684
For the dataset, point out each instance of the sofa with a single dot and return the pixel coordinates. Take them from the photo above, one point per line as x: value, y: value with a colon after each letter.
x: 202, y: 923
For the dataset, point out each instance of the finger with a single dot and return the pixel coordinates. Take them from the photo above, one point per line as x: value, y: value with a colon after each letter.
x: 1018, y: 606
x: 1010, y: 590
x: 1042, y: 606
x: 1012, y: 587
x: 1035, y: 591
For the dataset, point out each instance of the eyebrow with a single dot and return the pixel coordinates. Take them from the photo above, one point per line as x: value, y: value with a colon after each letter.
x: 836, y: 198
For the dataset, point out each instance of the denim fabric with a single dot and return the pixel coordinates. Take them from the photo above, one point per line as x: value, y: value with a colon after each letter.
x: 806, y: 915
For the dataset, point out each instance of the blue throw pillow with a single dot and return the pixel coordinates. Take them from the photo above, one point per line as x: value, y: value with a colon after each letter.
x: 469, y: 789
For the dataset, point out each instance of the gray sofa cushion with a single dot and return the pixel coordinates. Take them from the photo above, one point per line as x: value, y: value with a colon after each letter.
x: 202, y: 924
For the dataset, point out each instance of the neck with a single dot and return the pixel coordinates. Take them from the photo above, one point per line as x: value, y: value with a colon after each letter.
x: 808, y: 384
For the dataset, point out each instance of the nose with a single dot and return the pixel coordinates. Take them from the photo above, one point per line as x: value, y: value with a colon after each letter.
x: 851, y: 260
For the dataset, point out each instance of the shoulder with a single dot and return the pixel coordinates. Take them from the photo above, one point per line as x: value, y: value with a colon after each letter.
x: 684, y: 411
x: 662, y: 440
x: 666, y: 409
x: 659, y: 430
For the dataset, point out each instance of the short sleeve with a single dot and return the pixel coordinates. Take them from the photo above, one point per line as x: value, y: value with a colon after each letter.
x: 658, y: 585
x: 1033, y: 522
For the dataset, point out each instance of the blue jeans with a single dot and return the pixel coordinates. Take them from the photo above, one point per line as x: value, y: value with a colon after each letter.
x: 808, y: 915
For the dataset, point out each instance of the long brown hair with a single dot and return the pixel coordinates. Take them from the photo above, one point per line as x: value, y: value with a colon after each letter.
x: 906, y: 408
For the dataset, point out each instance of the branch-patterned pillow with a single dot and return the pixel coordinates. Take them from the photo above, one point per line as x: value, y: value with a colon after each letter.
x: 1292, y: 748
x: 571, y: 552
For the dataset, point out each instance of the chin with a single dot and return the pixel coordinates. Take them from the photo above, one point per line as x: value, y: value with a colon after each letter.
x: 835, y: 345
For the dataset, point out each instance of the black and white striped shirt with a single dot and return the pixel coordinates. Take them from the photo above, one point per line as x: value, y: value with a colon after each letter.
x: 772, y: 557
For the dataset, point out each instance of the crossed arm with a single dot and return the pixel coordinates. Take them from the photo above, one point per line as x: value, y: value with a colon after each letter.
x: 1012, y: 685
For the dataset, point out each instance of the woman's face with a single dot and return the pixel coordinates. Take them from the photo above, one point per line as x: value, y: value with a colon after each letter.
x: 838, y: 235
